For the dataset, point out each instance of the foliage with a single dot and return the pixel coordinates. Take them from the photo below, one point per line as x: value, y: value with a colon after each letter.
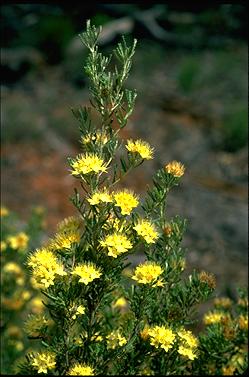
x: 97, y: 320
x: 18, y: 295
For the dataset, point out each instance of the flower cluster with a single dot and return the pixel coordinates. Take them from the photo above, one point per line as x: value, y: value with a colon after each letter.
x: 126, y: 200
x: 45, y: 267
x: 87, y: 272
x: 43, y: 361
x: 188, y: 344
x: 116, y: 244
x: 115, y: 339
x: 81, y: 370
x: 147, y: 231
x: 148, y: 273
x: 88, y: 163
x: 161, y: 336
x: 140, y: 147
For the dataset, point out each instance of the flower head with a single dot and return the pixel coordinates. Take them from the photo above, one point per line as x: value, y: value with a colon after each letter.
x: 96, y: 138
x: 43, y: 361
x: 207, y: 278
x: 116, y: 243
x: 147, y: 273
x: 100, y: 197
x: 20, y: 241
x: 175, y: 168
x: 115, y: 339
x: 126, y: 200
x: 4, y: 211
x: 87, y: 272
x: 146, y: 229
x: 120, y: 303
x: 243, y: 322
x: 141, y: 147
x: 81, y: 370
x: 224, y: 302
x: 88, y: 163
x: 187, y: 351
x: 45, y: 267
x: 188, y: 338
x: 69, y: 224
x: 65, y: 240
x: 161, y: 336
x: 35, y: 324
x: 213, y: 317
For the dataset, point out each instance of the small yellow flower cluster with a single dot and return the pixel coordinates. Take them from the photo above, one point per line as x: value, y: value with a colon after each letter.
x: 116, y: 243
x: 36, y: 305
x: 69, y: 224
x: 146, y: 229
x: 35, y: 324
x: 161, y: 336
x: 224, y: 302
x: 175, y: 168
x: 213, y: 317
x: 97, y: 138
x: 19, y: 241
x: 87, y: 272
x: 100, y: 197
x: 45, y: 267
x: 65, y: 240
x: 148, y: 273
x: 243, y: 322
x: 126, y: 200
x: 81, y: 370
x: 120, y: 303
x: 115, y: 339
x: 12, y: 267
x: 4, y: 211
x: 3, y: 245
x: 79, y: 311
x: 43, y: 361
x: 141, y: 147
x: 88, y: 163
x: 188, y: 344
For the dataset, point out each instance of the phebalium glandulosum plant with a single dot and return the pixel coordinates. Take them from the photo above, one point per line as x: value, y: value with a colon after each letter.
x: 104, y: 317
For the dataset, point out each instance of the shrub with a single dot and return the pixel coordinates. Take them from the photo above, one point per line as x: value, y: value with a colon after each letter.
x: 105, y: 315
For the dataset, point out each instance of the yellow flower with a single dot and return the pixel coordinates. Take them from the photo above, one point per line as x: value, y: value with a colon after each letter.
x: 228, y: 370
x: 97, y: 138
x: 12, y: 267
x: 243, y: 322
x: 4, y: 211
x: 43, y: 361
x: 88, y: 163
x: 126, y: 200
x: 79, y: 311
x: 115, y: 339
x: 100, y: 197
x: 146, y: 229
x: 224, y: 302
x: 81, y: 370
x: 69, y: 224
x: 26, y: 295
x: 120, y: 303
x: 116, y: 243
x: 147, y: 273
x: 186, y: 351
x: 87, y: 272
x: 213, y: 317
x: 65, y: 240
x: 36, y: 305
x: 188, y: 337
x: 35, y: 324
x: 161, y: 336
x: 20, y: 241
x: 145, y: 332
x: 3, y: 246
x: 175, y: 168
x: 45, y: 267
x: 141, y: 147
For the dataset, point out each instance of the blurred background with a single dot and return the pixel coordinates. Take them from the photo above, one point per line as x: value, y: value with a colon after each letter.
x: 191, y: 73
